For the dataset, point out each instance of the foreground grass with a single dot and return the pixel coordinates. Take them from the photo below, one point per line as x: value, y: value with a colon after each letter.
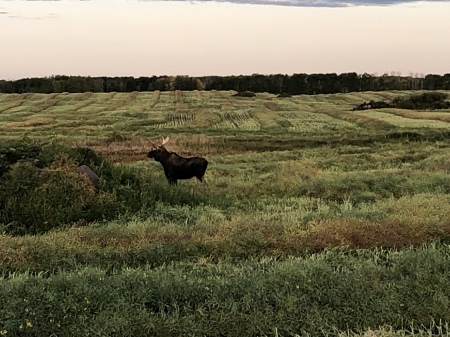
x: 287, y: 227
x: 318, y: 295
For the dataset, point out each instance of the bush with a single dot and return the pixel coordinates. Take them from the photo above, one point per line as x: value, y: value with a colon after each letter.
x: 40, y: 188
x: 80, y: 156
x: 11, y: 154
x: 372, y: 105
x: 425, y: 101
x: 34, y: 201
x: 47, y: 192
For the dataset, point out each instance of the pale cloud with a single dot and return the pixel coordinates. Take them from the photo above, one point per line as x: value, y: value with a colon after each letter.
x: 22, y: 17
x: 318, y: 3
x: 37, y: 16
x: 295, y: 3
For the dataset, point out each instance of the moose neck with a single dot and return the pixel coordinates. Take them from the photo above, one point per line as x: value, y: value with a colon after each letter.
x: 164, y: 156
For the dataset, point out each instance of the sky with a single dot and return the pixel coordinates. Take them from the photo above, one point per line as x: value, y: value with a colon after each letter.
x: 236, y: 37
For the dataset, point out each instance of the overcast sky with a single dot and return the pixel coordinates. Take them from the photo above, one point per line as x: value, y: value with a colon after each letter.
x: 145, y: 38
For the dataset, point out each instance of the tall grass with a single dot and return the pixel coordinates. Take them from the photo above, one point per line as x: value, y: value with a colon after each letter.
x: 320, y: 295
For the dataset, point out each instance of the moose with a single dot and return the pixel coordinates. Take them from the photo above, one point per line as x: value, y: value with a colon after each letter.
x: 177, y: 167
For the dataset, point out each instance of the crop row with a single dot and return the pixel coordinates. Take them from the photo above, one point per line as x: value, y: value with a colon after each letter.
x: 403, y: 122
x: 174, y: 120
x: 237, y: 120
x: 308, y: 122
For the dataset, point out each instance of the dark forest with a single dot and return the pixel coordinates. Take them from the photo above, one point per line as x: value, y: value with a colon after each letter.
x: 295, y: 84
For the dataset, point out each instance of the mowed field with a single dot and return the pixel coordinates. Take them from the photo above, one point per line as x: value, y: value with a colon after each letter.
x: 317, y: 220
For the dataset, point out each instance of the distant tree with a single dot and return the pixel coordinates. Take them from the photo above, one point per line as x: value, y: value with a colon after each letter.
x: 160, y: 84
x: 185, y: 83
x: 94, y: 84
x: 111, y: 84
x: 142, y: 83
x: 296, y: 84
x: 433, y: 82
x: 331, y: 83
x: 258, y: 83
x: 349, y: 82
x: 130, y: 84
x: 315, y: 82
x: 446, y: 82
x: 366, y: 82
x: 76, y: 84
x: 59, y: 83
x: 275, y: 83
x: 6, y: 86
x: 45, y: 85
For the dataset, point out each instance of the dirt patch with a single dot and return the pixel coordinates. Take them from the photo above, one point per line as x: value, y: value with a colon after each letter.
x: 272, y: 106
x: 245, y: 94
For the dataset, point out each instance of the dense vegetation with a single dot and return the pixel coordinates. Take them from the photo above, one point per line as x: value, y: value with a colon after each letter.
x: 317, y: 221
x: 295, y: 84
x: 423, y: 101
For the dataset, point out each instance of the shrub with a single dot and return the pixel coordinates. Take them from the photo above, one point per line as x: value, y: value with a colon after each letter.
x: 424, y: 101
x: 40, y: 188
x: 80, y: 156
x: 48, y: 192
x: 34, y: 201
x: 372, y: 105
x: 12, y: 153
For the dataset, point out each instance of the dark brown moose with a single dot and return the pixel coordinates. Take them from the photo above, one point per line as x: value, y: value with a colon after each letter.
x: 177, y: 167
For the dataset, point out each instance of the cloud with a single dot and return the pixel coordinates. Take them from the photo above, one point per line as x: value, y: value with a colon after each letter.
x: 298, y: 3
x: 35, y: 17
x: 17, y: 11
x: 319, y: 3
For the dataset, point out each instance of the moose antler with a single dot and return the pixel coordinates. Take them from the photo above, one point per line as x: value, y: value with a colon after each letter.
x: 164, y: 141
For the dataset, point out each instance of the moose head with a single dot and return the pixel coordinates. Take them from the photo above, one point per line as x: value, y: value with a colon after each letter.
x: 158, y: 150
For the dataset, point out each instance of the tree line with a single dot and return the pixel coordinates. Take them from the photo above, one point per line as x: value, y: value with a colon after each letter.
x: 295, y: 84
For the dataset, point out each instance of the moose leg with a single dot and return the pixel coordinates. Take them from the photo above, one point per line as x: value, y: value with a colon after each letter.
x: 203, y: 181
x: 170, y: 178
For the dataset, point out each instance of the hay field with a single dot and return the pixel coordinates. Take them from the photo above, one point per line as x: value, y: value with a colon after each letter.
x: 317, y: 221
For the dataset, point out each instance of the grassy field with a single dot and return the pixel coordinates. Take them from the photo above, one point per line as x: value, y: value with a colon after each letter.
x: 317, y: 221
